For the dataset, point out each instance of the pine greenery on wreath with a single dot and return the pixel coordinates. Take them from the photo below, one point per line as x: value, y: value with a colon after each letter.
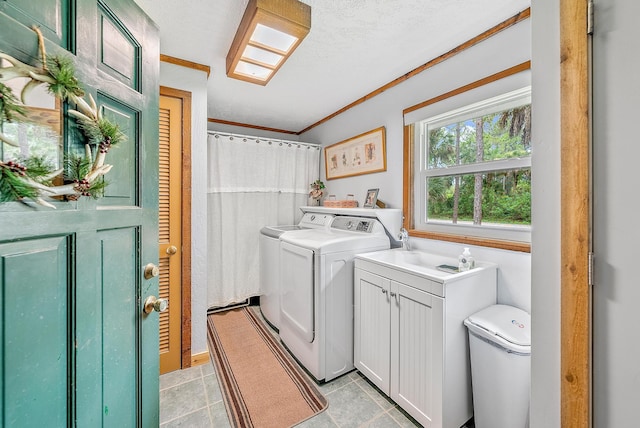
x: 32, y: 178
x: 9, y: 105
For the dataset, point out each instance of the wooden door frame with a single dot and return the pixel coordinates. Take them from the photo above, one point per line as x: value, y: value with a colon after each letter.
x: 575, y: 300
x: 186, y: 221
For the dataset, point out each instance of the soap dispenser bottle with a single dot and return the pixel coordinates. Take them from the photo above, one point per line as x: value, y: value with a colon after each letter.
x: 465, y: 260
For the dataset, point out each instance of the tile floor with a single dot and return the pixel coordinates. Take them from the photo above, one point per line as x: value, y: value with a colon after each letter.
x: 191, y: 398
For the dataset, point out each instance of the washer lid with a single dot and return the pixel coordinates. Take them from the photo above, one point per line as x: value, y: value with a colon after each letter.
x: 276, y: 231
x: 332, y: 241
x: 507, y: 322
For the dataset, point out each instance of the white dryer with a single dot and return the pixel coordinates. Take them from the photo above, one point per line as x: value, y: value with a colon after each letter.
x: 270, y: 262
x: 316, y: 301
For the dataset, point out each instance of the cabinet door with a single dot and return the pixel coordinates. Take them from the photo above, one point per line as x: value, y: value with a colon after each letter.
x: 371, y: 332
x: 416, y: 353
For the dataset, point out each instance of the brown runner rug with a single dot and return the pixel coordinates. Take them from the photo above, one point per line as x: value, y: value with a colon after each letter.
x: 261, y: 385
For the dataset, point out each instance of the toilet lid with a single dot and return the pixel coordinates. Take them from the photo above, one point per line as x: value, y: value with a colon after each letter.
x: 510, y: 323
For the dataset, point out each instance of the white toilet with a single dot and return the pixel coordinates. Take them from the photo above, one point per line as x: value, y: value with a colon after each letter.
x: 500, y: 349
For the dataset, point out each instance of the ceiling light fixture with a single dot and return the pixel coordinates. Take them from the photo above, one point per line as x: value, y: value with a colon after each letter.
x: 269, y: 32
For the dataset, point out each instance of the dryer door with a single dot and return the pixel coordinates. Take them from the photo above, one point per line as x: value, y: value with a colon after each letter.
x: 296, y: 302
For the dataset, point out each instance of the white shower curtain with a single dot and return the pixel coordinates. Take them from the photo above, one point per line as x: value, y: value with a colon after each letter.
x: 253, y: 182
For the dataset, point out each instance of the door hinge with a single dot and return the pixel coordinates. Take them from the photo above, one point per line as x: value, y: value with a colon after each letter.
x: 590, y: 268
x: 590, y: 17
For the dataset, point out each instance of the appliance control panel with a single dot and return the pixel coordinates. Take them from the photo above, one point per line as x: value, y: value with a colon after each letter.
x: 354, y: 224
x: 315, y: 220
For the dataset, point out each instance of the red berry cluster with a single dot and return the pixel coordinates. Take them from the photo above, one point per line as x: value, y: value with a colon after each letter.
x: 82, y: 187
x: 105, y: 145
x: 16, y: 167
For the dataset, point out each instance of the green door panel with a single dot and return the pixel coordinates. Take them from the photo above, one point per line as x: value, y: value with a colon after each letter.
x: 51, y: 16
x: 118, y: 49
x: 121, y: 326
x: 37, y: 324
x: 123, y: 177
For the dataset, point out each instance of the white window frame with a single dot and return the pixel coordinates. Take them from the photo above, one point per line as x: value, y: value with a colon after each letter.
x: 495, y: 104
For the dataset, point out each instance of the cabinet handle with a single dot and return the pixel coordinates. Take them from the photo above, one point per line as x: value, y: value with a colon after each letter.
x: 384, y: 291
x: 393, y: 294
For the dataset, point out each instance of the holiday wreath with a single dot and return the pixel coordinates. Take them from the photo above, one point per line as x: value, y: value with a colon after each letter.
x: 31, y: 178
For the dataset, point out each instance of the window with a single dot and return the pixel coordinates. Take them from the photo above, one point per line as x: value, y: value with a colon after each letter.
x: 472, y: 172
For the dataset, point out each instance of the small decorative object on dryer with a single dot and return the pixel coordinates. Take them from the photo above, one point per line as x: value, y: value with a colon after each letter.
x: 350, y: 202
x: 371, y: 198
x: 316, y: 191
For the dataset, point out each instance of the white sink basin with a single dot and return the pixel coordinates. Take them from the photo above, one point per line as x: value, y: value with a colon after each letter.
x: 416, y: 262
x: 418, y: 258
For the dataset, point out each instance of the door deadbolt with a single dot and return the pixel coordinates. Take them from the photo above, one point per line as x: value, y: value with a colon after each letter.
x: 151, y: 271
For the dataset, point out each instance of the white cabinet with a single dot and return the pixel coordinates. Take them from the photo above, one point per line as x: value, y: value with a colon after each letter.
x: 416, y: 351
x: 372, y: 327
x: 410, y: 340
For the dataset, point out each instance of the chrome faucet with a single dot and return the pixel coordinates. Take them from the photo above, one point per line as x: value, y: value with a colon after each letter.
x: 404, y: 238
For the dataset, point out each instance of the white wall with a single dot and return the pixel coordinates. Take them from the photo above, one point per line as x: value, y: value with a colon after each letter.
x: 506, y: 49
x: 615, y: 294
x: 194, y: 81
x: 545, y: 256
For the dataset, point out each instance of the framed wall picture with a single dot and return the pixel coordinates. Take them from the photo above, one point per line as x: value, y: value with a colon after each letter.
x: 371, y: 198
x: 362, y: 154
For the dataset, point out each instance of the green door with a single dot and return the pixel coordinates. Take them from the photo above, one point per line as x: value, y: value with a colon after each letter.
x: 76, y: 348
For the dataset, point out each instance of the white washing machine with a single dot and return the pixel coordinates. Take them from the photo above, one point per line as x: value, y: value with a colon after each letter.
x: 270, y: 262
x: 316, y: 301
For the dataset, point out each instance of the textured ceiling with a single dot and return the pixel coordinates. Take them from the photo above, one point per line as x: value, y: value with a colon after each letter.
x: 354, y: 47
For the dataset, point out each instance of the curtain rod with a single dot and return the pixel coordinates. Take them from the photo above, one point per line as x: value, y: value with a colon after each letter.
x: 258, y: 139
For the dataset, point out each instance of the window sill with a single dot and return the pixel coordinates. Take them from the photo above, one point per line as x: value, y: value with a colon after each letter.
x: 523, y: 247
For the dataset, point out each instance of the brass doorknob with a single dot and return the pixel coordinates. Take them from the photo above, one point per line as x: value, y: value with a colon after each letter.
x: 171, y: 250
x: 151, y: 271
x: 154, y: 304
